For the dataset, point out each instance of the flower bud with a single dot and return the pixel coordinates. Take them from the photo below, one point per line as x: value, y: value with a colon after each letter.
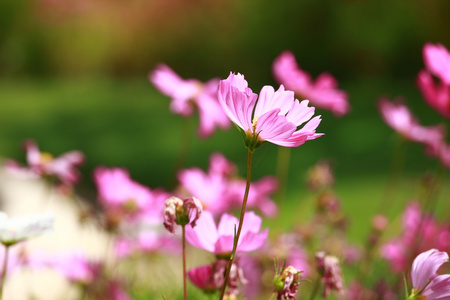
x: 286, y: 283
x: 181, y: 212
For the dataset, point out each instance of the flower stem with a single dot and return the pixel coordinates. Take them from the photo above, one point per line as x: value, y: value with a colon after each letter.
x: 183, y: 238
x: 5, y: 265
x: 315, y: 288
x: 271, y: 296
x: 241, y: 221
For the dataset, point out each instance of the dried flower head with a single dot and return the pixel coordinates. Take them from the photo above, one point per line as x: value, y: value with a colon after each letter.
x: 286, y: 283
x: 330, y: 270
x: 181, y: 212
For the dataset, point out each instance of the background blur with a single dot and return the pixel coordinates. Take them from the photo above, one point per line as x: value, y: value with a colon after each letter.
x: 73, y: 75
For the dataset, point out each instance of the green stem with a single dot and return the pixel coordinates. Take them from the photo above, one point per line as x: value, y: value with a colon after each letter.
x: 271, y: 296
x: 315, y: 288
x: 4, y: 268
x: 183, y: 238
x: 241, y: 221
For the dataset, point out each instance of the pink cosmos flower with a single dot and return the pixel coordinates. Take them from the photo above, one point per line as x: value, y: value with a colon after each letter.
x: 436, y: 94
x: 219, y: 240
x: 220, y: 189
x: 427, y: 284
x: 275, y: 117
x: 42, y: 164
x: 399, y: 118
x: 117, y: 189
x: 188, y: 93
x: 210, y: 278
x: 322, y: 93
x: 437, y: 63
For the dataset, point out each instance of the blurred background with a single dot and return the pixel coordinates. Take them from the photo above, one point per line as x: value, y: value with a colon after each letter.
x: 73, y: 75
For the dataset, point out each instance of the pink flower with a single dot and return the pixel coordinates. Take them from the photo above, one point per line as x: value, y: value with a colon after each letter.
x: 210, y: 278
x: 322, y: 93
x: 117, y: 189
x: 44, y: 164
x: 437, y: 61
x: 187, y: 93
x: 426, y: 282
x: 220, y: 189
x: 416, y: 225
x: 399, y: 118
x: 275, y: 117
x: 219, y: 240
x: 181, y: 212
x: 437, y: 95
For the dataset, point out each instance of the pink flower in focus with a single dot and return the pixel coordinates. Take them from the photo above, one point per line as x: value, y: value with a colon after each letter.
x: 426, y: 282
x: 399, y: 118
x: 187, y: 93
x: 44, y: 164
x: 322, y: 93
x: 220, y: 189
x: 275, y: 117
x: 437, y: 61
x: 219, y: 240
x: 181, y: 212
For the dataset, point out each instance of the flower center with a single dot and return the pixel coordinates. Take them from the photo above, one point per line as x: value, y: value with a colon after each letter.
x: 46, y: 158
x: 254, y: 122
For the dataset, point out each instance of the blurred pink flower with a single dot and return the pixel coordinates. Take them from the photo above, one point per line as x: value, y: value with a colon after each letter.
x: 210, y: 278
x: 275, y: 117
x: 399, y: 118
x: 437, y: 95
x: 426, y: 282
x: 330, y: 270
x: 437, y: 63
x: 201, y: 277
x: 219, y: 240
x: 42, y: 164
x: 116, y: 189
x: 187, y: 93
x: 416, y: 225
x: 74, y: 266
x: 322, y: 93
x: 220, y: 189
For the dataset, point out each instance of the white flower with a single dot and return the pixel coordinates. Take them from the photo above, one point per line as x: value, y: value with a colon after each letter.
x: 16, y: 229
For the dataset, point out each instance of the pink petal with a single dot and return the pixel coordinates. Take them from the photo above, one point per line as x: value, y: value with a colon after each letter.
x: 425, y: 266
x: 204, y: 235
